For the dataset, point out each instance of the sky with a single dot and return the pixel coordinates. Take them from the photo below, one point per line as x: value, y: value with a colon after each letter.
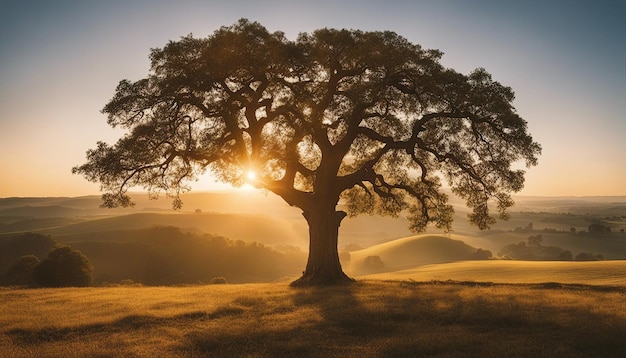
x: 60, y: 62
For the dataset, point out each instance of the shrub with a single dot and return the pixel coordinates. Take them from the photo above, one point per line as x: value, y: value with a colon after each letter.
x: 64, y: 267
x: 21, y: 272
x: 481, y: 254
x: 219, y: 280
x: 373, y: 263
x: 566, y: 256
x: 588, y: 256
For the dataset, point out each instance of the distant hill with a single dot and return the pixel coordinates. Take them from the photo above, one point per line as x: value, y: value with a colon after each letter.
x: 249, y: 202
x: 409, y: 252
x: 284, y: 225
x: 162, y: 255
x: 167, y: 255
x: 251, y: 228
x: 505, y: 271
x: 53, y: 211
x: 12, y: 247
x: 612, y: 246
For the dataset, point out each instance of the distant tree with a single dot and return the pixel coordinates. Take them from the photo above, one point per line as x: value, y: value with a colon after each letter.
x: 524, y: 251
x: 597, y: 227
x: 535, y: 240
x: 219, y: 280
x: 566, y: 255
x: 373, y: 263
x: 572, y: 230
x: 367, y: 118
x: 588, y: 256
x: 481, y: 254
x: 64, y: 267
x: 21, y: 272
x: 519, y: 251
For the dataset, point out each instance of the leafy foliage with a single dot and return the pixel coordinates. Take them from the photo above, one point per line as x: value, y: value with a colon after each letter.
x: 64, y: 267
x: 21, y: 272
x: 366, y: 117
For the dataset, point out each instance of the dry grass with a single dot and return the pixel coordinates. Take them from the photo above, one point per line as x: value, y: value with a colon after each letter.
x: 368, y: 319
x: 612, y: 273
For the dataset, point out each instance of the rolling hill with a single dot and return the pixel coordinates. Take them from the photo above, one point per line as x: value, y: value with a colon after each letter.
x: 409, y: 252
x: 601, y: 273
x: 262, y: 217
x: 251, y: 228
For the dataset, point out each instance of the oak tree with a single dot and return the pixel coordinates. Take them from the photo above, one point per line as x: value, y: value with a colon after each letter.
x: 366, y: 122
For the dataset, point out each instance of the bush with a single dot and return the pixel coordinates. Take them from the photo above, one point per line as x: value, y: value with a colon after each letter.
x: 588, y: 256
x: 64, y: 267
x: 21, y: 272
x: 481, y: 254
x: 566, y: 256
x: 373, y: 264
x: 218, y: 281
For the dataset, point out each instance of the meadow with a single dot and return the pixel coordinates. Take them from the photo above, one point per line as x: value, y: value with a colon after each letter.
x: 371, y: 318
x: 428, y: 299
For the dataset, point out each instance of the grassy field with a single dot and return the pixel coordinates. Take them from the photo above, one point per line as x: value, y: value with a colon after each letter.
x: 603, y: 273
x: 369, y: 319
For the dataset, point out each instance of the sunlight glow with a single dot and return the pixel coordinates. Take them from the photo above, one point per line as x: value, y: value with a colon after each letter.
x: 246, y: 187
x: 250, y: 178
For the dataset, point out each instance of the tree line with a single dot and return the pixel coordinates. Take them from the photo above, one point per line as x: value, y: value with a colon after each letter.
x: 154, y: 256
x: 533, y: 250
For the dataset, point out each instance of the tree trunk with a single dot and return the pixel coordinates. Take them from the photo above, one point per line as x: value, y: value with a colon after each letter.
x: 323, y: 266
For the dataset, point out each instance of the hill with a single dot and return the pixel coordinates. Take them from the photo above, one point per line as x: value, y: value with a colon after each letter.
x: 611, y: 273
x: 251, y: 228
x: 53, y: 211
x: 546, y: 213
x: 408, y: 252
x: 612, y: 246
x: 162, y: 256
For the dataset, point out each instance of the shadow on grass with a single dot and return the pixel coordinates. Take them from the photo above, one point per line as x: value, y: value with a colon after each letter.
x: 123, y: 325
x: 383, y: 320
x: 420, y: 320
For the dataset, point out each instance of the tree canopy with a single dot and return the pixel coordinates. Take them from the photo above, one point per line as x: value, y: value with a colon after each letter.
x: 365, y: 119
x: 64, y: 267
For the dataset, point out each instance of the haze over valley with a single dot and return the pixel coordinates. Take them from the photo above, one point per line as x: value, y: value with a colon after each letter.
x: 129, y: 239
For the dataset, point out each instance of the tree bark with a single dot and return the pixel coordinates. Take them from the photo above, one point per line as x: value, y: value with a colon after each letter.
x: 323, y: 267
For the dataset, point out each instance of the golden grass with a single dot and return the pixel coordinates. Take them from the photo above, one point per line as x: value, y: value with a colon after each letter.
x: 368, y: 319
x: 611, y: 273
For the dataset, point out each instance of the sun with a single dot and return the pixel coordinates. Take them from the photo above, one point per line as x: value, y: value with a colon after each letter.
x: 250, y: 178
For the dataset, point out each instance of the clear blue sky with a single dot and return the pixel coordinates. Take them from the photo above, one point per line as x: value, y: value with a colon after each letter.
x: 566, y: 60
